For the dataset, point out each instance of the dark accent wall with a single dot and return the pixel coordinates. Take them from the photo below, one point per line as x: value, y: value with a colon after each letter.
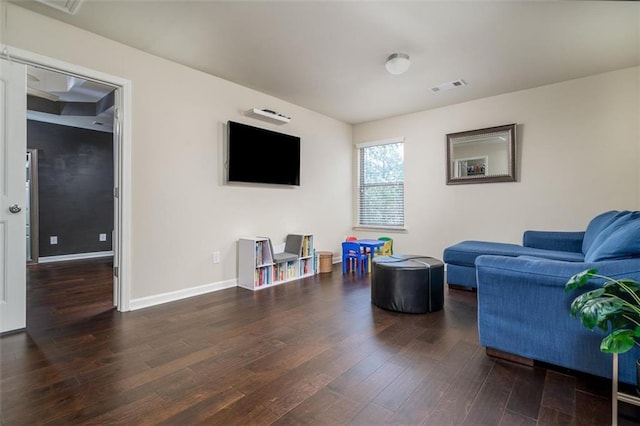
x: 75, y: 177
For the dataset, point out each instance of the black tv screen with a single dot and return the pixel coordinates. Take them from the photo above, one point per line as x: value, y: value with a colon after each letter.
x: 262, y: 156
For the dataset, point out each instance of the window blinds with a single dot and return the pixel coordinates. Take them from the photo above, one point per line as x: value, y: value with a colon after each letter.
x: 381, y: 185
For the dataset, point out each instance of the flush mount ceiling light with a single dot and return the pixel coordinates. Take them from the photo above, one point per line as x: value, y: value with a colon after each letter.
x: 398, y: 63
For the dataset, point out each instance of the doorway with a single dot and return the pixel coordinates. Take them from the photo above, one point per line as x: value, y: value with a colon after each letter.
x: 70, y: 125
x: 16, y: 288
x: 70, y: 133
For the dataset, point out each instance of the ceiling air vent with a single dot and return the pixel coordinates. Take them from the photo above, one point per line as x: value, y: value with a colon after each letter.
x: 448, y: 86
x: 66, y: 6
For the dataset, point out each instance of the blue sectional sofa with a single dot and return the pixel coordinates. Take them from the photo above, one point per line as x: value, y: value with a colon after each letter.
x: 522, y: 306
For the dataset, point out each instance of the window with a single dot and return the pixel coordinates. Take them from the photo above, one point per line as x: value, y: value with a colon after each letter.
x: 381, y: 183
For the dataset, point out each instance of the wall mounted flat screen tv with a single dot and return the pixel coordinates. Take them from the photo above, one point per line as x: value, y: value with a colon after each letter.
x: 262, y: 156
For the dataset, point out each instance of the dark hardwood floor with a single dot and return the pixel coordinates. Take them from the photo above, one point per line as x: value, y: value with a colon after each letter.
x: 308, y: 352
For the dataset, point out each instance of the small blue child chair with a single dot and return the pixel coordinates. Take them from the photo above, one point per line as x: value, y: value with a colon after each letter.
x: 352, y: 252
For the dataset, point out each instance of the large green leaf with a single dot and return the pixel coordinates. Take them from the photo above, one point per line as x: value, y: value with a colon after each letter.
x: 598, y: 311
x: 615, y: 306
x: 579, y: 302
x: 630, y: 287
x: 629, y: 282
x: 579, y: 280
x: 619, y: 342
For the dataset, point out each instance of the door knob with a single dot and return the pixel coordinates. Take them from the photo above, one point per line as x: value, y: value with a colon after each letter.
x: 14, y: 208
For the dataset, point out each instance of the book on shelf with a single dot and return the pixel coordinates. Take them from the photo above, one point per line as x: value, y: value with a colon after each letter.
x: 263, y: 276
x: 263, y: 253
x: 307, y: 246
x: 310, y: 266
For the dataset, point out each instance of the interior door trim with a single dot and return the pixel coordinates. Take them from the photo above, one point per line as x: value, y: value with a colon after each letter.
x: 122, y: 179
x: 34, y: 211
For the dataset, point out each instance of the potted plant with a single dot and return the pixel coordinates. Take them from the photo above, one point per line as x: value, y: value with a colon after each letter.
x: 613, y: 308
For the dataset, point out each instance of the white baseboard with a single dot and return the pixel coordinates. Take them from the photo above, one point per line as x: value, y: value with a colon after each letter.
x: 75, y: 256
x: 145, y: 302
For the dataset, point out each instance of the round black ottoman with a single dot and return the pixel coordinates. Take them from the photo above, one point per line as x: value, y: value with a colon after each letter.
x: 407, y: 283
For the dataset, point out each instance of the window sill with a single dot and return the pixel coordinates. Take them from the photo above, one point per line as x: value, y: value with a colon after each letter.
x: 391, y: 229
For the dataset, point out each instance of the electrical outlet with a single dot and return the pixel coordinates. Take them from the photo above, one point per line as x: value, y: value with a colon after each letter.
x: 216, y: 257
x: 53, y: 240
x: 103, y: 237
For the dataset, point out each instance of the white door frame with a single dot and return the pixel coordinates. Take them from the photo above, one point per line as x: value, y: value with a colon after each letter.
x: 122, y: 159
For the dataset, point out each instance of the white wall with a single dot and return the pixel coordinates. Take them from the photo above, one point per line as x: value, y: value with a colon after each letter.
x: 578, y: 145
x: 182, y: 211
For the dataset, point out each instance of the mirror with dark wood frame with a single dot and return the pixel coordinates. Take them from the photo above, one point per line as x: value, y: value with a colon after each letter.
x: 482, y: 155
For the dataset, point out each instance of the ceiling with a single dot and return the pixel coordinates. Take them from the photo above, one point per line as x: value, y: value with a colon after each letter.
x: 329, y: 56
x: 62, y: 99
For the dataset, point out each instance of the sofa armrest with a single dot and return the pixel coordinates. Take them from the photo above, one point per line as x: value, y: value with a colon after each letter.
x: 554, y: 240
x: 523, y: 309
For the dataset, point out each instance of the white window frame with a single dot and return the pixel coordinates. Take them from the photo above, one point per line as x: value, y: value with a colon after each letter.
x: 358, y: 225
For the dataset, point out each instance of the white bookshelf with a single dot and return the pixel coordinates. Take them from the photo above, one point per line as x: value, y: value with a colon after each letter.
x: 257, y: 268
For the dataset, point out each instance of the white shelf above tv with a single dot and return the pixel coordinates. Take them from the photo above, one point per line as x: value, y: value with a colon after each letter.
x: 271, y: 114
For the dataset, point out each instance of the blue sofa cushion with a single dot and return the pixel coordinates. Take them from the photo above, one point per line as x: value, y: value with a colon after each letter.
x: 597, y: 225
x: 618, y: 240
x: 466, y: 252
